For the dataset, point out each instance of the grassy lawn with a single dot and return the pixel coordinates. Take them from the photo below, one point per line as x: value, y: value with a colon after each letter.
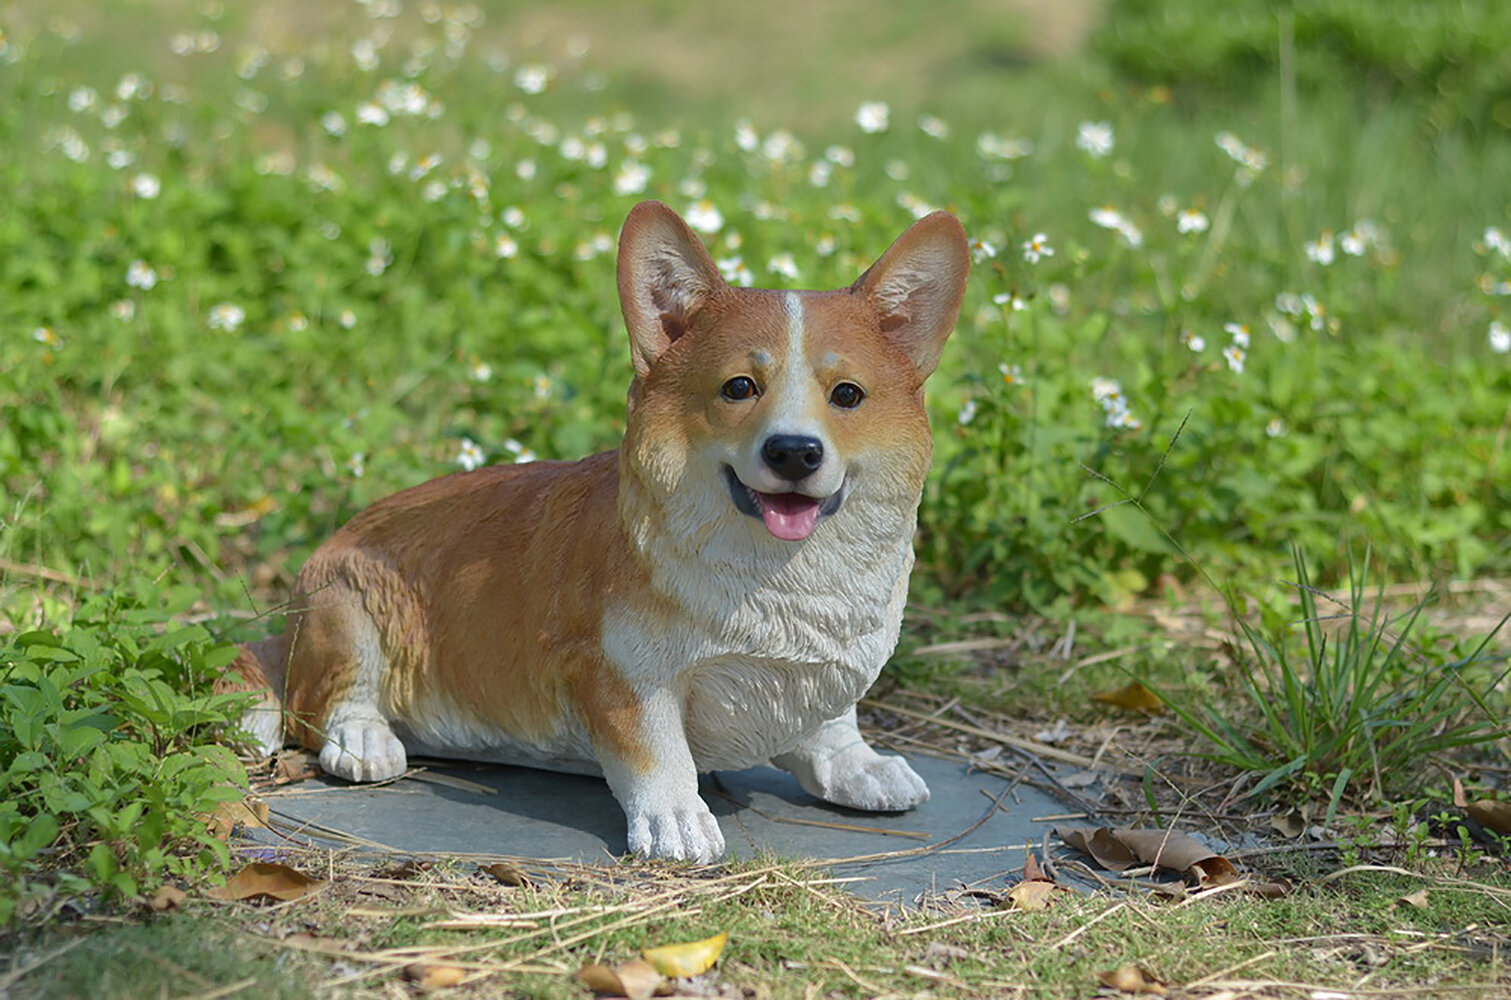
x: 1230, y: 396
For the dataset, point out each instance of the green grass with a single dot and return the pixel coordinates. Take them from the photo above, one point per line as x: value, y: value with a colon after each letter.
x: 231, y: 320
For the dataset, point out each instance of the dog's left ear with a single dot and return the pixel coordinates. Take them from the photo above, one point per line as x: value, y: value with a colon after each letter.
x: 917, y: 285
x: 665, y: 277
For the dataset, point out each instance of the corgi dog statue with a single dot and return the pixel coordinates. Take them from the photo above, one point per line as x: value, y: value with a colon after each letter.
x: 716, y: 593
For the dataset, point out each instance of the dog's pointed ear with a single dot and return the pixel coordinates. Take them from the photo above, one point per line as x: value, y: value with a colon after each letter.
x: 665, y: 277
x: 917, y: 286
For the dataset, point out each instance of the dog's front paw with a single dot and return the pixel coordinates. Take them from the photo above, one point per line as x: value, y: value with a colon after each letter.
x: 682, y: 834
x: 859, y: 777
x: 363, y: 750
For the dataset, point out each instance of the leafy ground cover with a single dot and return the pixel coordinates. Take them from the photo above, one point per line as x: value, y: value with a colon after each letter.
x: 261, y: 267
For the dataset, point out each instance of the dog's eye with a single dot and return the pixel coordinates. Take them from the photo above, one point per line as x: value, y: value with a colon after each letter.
x: 738, y: 388
x: 847, y: 395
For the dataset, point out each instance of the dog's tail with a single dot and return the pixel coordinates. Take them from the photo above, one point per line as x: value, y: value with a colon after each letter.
x: 259, y: 668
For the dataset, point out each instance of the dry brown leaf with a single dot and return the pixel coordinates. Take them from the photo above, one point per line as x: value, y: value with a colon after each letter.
x: 167, y: 897
x: 1492, y: 814
x: 690, y: 958
x: 1030, y: 896
x: 1416, y: 899
x: 246, y: 812
x: 1117, y: 850
x: 1100, y: 843
x: 1132, y: 696
x: 1131, y: 979
x: 434, y: 975
x: 1289, y: 825
x: 636, y: 979
x: 267, y: 879
x: 506, y: 874
x: 292, y: 766
x: 1459, y: 798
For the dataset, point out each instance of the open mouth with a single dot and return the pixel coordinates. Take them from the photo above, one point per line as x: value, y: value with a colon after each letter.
x: 788, y: 516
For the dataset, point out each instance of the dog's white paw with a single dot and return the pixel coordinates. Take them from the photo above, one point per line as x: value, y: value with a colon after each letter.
x: 682, y: 834
x: 859, y: 777
x: 363, y: 750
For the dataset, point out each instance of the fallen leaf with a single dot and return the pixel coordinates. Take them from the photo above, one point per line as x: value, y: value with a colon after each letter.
x: 1459, y: 798
x: 1131, y: 979
x: 246, y: 812
x: 1493, y: 814
x: 688, y: 959
x: 1117, y: 850
x: 292, y: 766
x: 403, y: 870
x: 506, y: 874
x: 167, y: 897
x: 433, y: 975
x: 636, y: 979
x: 267, y: 879
x: 255, y: 511
x: 1289, y: 825
x: 1416, y: 899
x: 1032, y: 895
x: 1133, y: 696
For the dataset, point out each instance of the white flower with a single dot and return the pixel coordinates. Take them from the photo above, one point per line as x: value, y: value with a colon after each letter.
x: 873, y: 116
x: 934, y: 127
x: 1235, y: 356
x: 735, y: 272
x: 1320, y: 251
x: 1011, y: 374
x: 1012, y: 301
x: 1195, y: 341
x: 1497, y: 241
x: 840, y: 156
x: 532, y: 79
x: 995, y: 147
x: 1037, y: 248
x: 505, y: 247
x: 347, y: 319
x: 226, y: 316
x: 967, y: 412
x: 1191, y: 222
x: 81, y: 99
x: 469, y: 456
x: 45, y: 335
x: 140, y: 274
x: 379, y: 256
x: 783, y: 264
x: 520, y: 452
x: 481, y: 371
x: 631, y: 177
x: 123, y: 310
x: 1500, y: 338
x: 1275, y: 428
x: 1104, y: 389
x: 369, y: 113
x: 1111, y: 218
x: 704, y: 217
x: 982, y: 250
x: 540, y: 385
x: 1095, y: 138
x: 146, y: 186
x: 1238, y: 332
x: 746, y: 137
x: 357, y: 464
x: 333, y: 122
x: 513, y: 217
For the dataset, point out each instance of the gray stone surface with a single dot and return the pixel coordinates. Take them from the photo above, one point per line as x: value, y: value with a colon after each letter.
x: 542, y: 814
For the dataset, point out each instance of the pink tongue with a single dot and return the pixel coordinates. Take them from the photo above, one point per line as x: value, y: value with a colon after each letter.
x: 789, y: 516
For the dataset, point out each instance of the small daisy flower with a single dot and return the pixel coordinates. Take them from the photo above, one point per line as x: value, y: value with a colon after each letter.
x: 334, y: 122
x: 1320, y: 251
x: 226, y: 316
x: 505, y: 247
x: 369, y: 113
x: 123, y: 310
x: 146, y: 186
x: 934, y: 127
x: 1010, y: 300
x: 45, y: 336
x: 1095, y: 138
x: 140, y: 274
x: 1037, y: 248
x: 873, y: 116
x: 520, y: 452
x: 735, y: 272
x: 784, y: 265
x: 469, y: 456
x: 379, y: 256
x: 541, y: 386
x: 347, y: 319
x: 840, y: 156
x: 480, y: 371
x: 1011, y: 374
x: 533, y: 78
x: 982, y: 250
x: 704, y: 217
x: 1239, y: 332
x: 631, y: 178
x: 1234, y: 355
x: 1191, y: 222
x: 1500, y: 338
x: 1275, y: 428
x: 1194, y: 341
x: 1497, y: 241
x: 357, y: 465
x: 967, y: 412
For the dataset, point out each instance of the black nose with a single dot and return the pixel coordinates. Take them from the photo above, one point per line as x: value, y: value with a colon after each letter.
x: 793, y: 456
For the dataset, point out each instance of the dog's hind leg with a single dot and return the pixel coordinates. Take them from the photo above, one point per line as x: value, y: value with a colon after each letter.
x: 336, y: 669
x: 837, y: 765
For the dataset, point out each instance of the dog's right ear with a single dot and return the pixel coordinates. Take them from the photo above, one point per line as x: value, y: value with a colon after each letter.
x: 665, y: 277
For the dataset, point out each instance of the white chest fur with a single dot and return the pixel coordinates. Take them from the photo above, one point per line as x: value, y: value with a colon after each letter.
x: 764, y: 640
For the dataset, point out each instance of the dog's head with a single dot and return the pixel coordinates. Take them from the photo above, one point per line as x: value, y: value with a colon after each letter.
x: 785, y: 406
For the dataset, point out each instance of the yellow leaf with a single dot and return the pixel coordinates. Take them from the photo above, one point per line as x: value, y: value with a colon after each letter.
x: 434, y: 976
x: 1132, y: 695
x: 1131, y: 979
x: 1032, y: 895
x: 687, y: 959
